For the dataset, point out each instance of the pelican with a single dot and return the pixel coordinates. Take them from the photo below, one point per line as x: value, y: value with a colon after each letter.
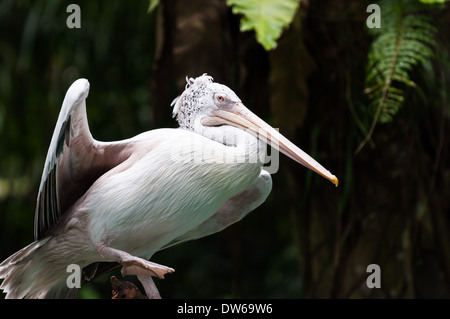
x: 102, y: 205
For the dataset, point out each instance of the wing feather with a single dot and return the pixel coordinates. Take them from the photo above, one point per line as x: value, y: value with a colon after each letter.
x: 232, y: 211
x: 74, y: 160
x: 47, y: 208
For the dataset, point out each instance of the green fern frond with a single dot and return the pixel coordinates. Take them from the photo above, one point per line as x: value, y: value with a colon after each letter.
x: 405, y: 39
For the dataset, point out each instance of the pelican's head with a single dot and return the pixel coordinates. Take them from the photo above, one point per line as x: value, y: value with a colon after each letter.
x: 199, y: 100
x: 207, y: 104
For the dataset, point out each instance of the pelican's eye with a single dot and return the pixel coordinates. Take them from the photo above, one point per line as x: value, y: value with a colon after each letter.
x: 220, y: 99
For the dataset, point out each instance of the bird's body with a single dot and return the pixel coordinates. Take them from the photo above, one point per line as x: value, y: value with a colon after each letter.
x: 130, y: 203
x: 124, y: 201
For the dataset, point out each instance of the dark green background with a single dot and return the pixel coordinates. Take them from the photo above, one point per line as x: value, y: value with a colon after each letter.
x: 309, y: 239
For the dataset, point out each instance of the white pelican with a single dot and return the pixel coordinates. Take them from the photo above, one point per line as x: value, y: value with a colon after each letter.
x: 123, y: 201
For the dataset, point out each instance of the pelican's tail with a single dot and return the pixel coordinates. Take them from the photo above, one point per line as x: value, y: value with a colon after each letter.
x: 26, y: 274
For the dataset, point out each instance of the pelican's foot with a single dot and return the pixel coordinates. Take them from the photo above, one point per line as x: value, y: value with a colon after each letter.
x: 132, y: 265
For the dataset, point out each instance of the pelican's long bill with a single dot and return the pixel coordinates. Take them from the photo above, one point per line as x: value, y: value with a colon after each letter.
x: 240, y: 116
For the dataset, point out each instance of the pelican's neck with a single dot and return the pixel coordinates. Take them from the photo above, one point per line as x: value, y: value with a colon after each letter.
x: 243, y: 145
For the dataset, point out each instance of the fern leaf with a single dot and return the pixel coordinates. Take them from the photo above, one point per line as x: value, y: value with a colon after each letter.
x: 405, y: 40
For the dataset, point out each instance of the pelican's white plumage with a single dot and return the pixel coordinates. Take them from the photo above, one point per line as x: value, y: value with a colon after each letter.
x: 104, y: 203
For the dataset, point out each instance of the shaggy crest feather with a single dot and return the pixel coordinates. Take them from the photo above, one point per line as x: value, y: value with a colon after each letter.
x: 187, y: 104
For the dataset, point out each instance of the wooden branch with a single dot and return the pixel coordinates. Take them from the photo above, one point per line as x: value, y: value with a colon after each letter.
x: 125, y: 290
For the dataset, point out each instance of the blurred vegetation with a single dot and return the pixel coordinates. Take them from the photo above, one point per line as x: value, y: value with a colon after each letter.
x: 309, y: 240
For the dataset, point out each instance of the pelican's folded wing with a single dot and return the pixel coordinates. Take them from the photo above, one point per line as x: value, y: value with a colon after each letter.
x: 232, y: 211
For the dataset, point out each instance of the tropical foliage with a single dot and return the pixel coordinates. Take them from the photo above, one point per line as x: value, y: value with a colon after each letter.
x: 407, y: 38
